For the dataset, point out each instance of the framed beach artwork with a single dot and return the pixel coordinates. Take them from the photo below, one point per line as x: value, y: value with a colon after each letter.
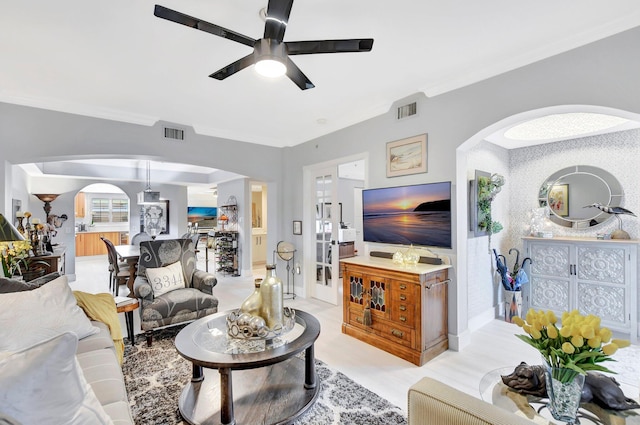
x: 407, y: 156
x: 559, y: 199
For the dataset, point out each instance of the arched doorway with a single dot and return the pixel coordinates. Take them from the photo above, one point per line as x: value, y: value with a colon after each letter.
x: 525, y: 168
x: 100, y: 209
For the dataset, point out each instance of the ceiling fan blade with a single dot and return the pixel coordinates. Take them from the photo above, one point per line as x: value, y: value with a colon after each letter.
x: 190, y: 21
x: 329, y: 46
x: 231, y: 69
x: 278, y: 12
x: 297, y: 76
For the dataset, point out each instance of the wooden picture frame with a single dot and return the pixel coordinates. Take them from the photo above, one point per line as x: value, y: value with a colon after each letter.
x: 559, y: 199
x: 297, y: 227
x: 407, y: 156
x: 155, y: 215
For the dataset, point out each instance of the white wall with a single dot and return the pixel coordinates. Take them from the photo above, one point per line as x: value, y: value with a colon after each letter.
x: 483, y: 294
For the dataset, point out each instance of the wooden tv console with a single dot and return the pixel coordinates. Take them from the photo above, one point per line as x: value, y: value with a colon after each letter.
x: 408, y: 306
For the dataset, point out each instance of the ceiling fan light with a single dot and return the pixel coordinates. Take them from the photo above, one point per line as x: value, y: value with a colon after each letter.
x: 270, y: 68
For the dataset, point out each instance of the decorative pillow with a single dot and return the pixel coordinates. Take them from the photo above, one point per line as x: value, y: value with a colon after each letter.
x: 165, y: 279
x: 44, y: 385
x: 32, y: 316
x: 12, y: 285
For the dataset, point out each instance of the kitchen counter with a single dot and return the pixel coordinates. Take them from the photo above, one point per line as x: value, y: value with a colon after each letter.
x: 89, y: 242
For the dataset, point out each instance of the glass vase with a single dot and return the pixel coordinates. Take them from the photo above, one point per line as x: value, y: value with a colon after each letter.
x: 564, y: 389
x: 253, y: 303
x: 272, y: 308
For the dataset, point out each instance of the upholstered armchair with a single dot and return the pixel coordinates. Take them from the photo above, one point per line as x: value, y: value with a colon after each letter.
x: 164, y: 301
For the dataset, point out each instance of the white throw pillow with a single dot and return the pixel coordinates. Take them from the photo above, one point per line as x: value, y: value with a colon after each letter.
x: 29, y: 317
x: 44, y: 385
x: 165, y: 279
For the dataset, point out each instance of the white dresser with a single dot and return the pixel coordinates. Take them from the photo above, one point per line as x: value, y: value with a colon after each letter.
x: 594, y: 276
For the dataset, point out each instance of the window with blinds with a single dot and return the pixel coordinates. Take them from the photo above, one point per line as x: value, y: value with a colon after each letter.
x: 119, y: 210
x: 105, y: 210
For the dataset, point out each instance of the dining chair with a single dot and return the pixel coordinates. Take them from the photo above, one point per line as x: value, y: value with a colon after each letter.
x: 139, y: 237
x: 118, y: 271
x: 195, y: 238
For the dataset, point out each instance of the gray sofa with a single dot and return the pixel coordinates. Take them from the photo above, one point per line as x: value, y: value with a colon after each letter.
x: 96, y: 357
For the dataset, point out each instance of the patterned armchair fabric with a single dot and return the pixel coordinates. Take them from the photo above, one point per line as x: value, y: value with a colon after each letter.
x: 180, y: 305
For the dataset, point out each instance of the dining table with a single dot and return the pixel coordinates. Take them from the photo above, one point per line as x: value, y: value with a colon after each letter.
x: 131, y: 255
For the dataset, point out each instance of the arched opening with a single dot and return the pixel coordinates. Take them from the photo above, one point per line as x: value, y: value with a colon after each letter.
x: 101, y: 209
x: 525, y: 168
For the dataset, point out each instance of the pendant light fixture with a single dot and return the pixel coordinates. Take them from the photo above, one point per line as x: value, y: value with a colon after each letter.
x: 148, y: 196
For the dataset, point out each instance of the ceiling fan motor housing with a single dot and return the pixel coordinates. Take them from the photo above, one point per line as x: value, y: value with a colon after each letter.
x: 268, y: 48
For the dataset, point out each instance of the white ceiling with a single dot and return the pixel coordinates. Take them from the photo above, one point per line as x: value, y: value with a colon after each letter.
x: 116, y: 60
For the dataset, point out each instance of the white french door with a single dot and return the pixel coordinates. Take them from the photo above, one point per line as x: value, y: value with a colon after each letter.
x: 327, y: 281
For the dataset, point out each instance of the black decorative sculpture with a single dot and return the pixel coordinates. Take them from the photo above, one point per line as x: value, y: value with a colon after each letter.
x: 598, y: 388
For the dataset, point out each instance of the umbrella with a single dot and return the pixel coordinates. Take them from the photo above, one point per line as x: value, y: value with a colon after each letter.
x: 503, y: 270
x: 512, y: 281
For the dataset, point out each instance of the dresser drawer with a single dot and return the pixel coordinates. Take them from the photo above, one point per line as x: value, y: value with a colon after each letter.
x: 399, y: 334
x: 404, y: 313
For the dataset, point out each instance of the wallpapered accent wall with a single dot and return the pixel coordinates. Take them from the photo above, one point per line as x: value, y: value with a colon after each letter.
x: 525, y: 170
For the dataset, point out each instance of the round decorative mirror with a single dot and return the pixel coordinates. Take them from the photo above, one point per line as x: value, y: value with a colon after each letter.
x: 568, y: 191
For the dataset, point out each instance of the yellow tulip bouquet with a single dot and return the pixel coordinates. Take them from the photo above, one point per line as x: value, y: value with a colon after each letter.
x: 13, y: 255
x: 576, y: 347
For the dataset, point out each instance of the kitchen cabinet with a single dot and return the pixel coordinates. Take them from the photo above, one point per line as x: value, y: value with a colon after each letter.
x: 259, y: 248
x: 89, y: 243
x: 594, y: 276
x: 408, y: 307
x: 80, y: 204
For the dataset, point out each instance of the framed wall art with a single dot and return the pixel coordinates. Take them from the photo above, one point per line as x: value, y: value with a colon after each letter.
x: 477, y: 212
x: 407, y: 156
x: 559, y: 199
x: 154, y: 218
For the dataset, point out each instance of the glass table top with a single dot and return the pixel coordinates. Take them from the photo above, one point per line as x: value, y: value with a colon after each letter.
x: 212, y: 335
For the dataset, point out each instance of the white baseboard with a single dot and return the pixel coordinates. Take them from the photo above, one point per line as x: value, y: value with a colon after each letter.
x: 459, y: 342
x: 482, y: 319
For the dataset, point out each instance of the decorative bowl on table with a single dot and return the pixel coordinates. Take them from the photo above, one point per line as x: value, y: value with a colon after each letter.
x: 246, y: 326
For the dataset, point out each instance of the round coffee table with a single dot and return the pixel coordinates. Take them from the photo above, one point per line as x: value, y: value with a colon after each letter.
x: 272, y: 384
x: 494, y: 391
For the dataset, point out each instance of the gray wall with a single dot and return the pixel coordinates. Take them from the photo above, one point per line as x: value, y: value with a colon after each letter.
x: 604, y: 74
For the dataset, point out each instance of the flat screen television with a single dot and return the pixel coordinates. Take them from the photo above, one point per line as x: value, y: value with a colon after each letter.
x: 418, y: 214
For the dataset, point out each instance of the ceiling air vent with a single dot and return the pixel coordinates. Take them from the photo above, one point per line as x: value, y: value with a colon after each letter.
x: 407, y: 111
x: 173, y: 133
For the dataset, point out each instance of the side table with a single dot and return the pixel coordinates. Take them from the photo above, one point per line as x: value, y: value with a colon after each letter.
x: 127, y: 306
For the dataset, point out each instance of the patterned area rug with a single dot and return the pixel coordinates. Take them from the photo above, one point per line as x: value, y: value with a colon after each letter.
x: 155, y: 376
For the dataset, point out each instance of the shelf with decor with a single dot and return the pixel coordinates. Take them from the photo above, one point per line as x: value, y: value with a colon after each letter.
x: 226, y: 252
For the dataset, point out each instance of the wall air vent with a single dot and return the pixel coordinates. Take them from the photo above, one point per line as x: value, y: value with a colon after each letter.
x: 173, y: 133
x: 407, y: 111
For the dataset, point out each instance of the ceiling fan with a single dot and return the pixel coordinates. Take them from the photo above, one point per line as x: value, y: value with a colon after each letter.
x: 270, y: 53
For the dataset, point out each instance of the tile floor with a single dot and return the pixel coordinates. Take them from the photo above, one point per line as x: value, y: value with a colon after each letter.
x: 491, y: 347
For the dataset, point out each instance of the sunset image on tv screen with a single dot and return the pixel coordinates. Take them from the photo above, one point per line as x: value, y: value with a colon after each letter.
x: 417, y: 214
